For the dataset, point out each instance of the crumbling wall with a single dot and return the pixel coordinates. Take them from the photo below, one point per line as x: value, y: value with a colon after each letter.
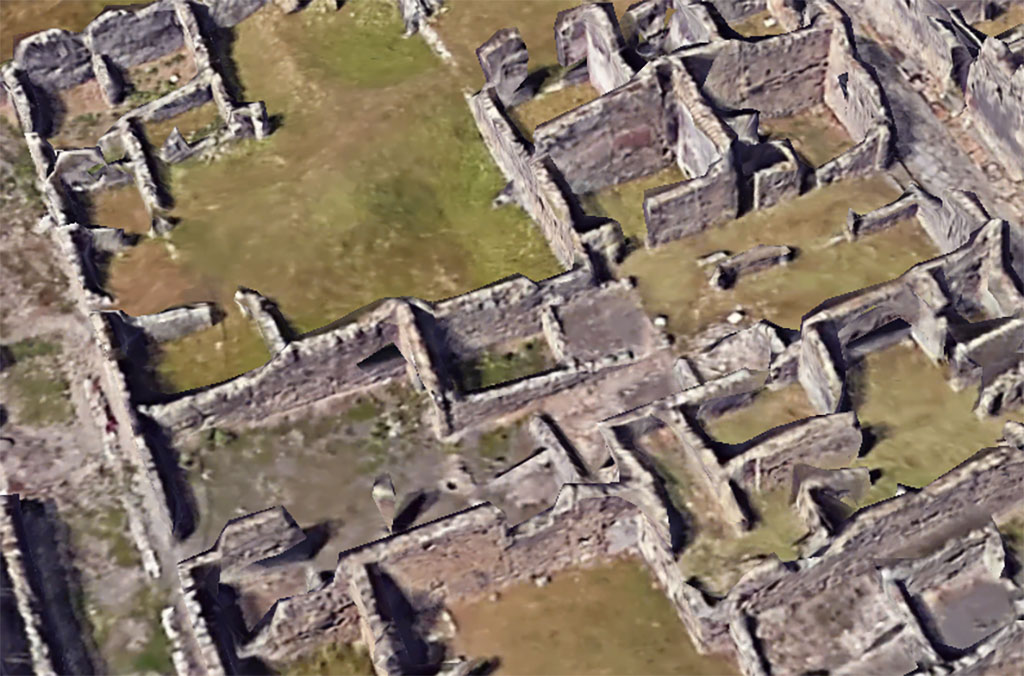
x: 54, y: 59
x: 306, y: 370
x: 851, y: 92
x: 534, y: 179
x: 767, y: 461
x: 950, y: 221
x: 778, y: 76
x: 613, y: 139
x: 995, y: 99
x: 129, y: 37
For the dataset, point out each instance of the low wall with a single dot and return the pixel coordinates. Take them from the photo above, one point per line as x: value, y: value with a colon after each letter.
x: 534, y: 179
x: 690, y: 207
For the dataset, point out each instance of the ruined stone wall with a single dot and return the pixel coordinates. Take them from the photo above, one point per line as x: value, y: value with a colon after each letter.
x: 615, y: 138
x: 534, y: 181
x: 922, y: 30
x: 778, y: 76
x: 995, y: 99
x: 690, y: 207
x: 826, y: 442
x: 305, y: 371
x: 851, y: 92
x: 475, y: 407
x: 129, y: 38
x: 865, y: 158
x: 701, y: 137
x: 950, y: 221
x: 54, y: 59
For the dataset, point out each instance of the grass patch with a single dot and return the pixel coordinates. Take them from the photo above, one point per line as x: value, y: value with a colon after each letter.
x: 32, y: 347
x: 501, y: 366
x: 770, y: 408
x: 111, y: 526
x: 363, y: 410
x: 815, y: 133
x: 625, y: 202
x: 753, y: 26
x: 334, y: 211
x: 35, y: 385
x: 335, y: 659
x: 924, y: 428
x: 551, y: 630
x: 672, y: 283
x: 212, y: 355
x: 121, y: 207
x: 193, y: 124
x: 528, y: 116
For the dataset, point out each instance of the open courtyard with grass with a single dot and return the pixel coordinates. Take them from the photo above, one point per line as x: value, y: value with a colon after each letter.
x: 673, y: 283
x: 552, y: 629
x: 375, y: 184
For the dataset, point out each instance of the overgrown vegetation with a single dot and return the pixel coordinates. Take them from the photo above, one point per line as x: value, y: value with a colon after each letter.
x: 495, y: 367
x: 334, y: 659
x: 35, y: 385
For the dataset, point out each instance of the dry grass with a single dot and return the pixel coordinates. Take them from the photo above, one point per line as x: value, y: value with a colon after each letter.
x: 192, y: 124
x: 815, y: 133
x: 121, y: 207
x: 753, y: 26
x: 1012, y: 17
x: 769, y: 409
x: 672, y: 283
x: 552, y: 630
x: 924, y: 428
x: 544, y: 107
x: 625, y: 202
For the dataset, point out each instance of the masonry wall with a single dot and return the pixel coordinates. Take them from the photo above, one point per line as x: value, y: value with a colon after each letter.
x: 778, y: 76
x: 305, y: 371
x: 534, y: 179
x: 850, y: 91
x: 129, y: 38
x: 615, y: 138
x: 690, y: 207
x: 995, y: 99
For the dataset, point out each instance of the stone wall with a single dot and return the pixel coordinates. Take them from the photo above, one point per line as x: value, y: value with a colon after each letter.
x: 995, y: 99
x: 128, y: 38
x: 613, y: 139
x: 305, y: 371
x: 851, y: 92
x: 535, y: 181
x: 690, y: 207
x: 778, y: 76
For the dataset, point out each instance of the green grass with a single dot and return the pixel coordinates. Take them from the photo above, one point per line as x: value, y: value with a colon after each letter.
x: 492, y: 368
x: 364, y: 409
x: 35, y: 385
x: 603, y: 620
x: 769, y: 409
x: 924, y: 428
x: 671, y: 282
x: 625, y: 202
x: 332, y: 660
x: 363, y: 191
x: 32, y: 347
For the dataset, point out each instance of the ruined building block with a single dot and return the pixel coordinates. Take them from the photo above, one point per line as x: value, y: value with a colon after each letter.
x: 646, y: 19
x: 761, y: 257
x: 591, y: 32
x: 691, y: 23
x: 821, y: 371
x: 504, y: 59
